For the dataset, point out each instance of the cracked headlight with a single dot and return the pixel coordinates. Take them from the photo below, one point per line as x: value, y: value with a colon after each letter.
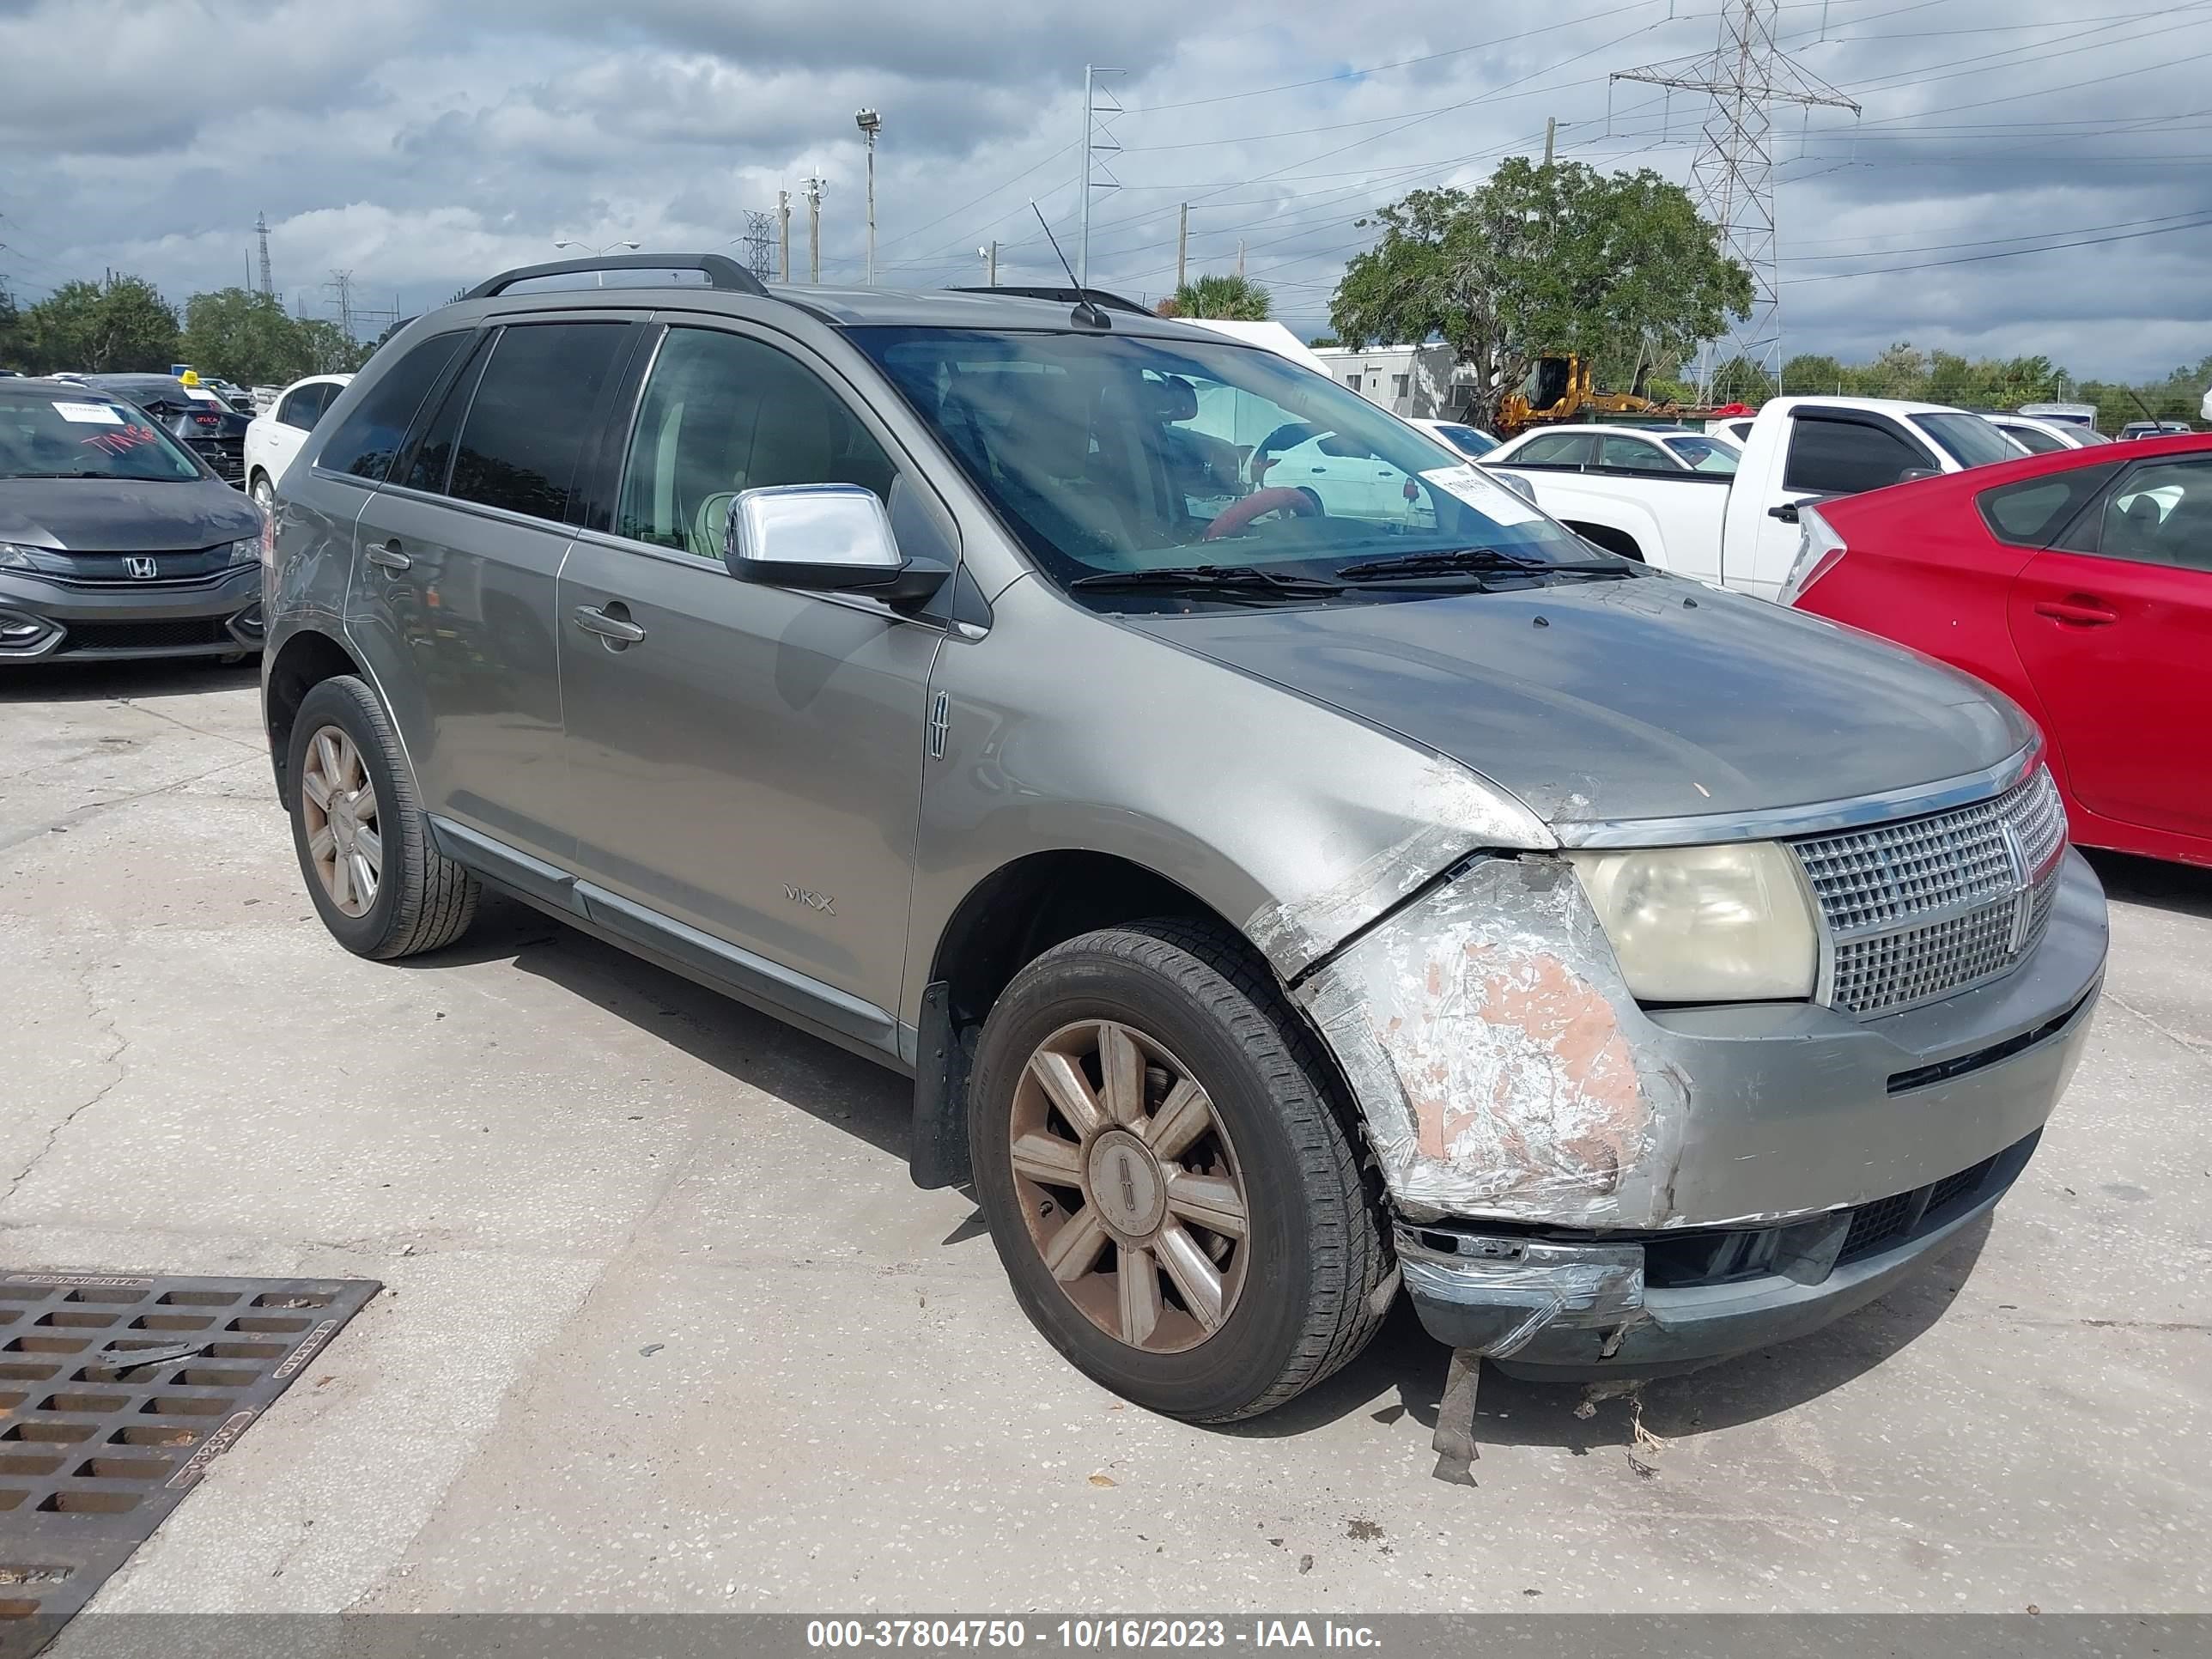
x: 1706, y: 924
x: 245, y: 550
x: 13, y: 555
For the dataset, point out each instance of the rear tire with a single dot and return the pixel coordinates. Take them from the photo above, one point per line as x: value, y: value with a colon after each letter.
x: 377, y: 878
x: 1291, y: 1249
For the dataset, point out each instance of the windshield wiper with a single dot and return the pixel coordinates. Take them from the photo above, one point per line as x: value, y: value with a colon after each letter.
x: 1241, y: 579
x: 1478, y: 561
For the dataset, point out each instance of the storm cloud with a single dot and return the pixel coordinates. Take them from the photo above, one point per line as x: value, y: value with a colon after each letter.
x: 419, y: 146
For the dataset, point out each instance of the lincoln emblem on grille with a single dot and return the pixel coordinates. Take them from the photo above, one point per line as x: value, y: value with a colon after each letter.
x: 143, y: 569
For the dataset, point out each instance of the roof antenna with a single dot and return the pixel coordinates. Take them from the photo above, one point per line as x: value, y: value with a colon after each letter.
x: 1085, y: 312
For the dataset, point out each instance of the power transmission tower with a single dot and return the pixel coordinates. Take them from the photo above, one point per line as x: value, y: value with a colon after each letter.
x: 1099, y: 146
x: 760, y: 243
x: 814, y: 227
x: 342, y: 282
x: 261, y: 233
x: 1732, y: 181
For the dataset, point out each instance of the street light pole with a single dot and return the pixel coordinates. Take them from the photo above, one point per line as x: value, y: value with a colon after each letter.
x: 870, y: 124
x: 598, y: 254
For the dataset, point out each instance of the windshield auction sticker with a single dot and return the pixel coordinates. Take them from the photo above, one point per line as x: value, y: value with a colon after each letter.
x: 89, y: 414
x: 1485, y: 495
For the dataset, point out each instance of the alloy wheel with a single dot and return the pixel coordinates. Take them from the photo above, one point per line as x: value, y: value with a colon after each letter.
x: 264, y: 494
x: 337, y: 804
x: 1129, y: 1186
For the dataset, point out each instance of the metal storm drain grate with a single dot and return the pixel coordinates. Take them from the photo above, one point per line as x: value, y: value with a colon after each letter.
x: 116, y: 1393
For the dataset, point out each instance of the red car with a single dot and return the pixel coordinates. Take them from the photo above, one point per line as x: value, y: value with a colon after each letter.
x: 2079, y: 583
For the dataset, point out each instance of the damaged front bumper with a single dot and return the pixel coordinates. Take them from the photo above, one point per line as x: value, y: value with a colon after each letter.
x: 1564, y: 1309
x: 1584, y: 1185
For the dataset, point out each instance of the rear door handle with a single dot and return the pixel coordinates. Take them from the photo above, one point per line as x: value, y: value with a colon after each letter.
x: 2086, y: 614
x: 592, y: 620
x: 389, y: 556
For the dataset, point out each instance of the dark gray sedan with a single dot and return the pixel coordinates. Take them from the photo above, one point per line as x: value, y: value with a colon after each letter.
x: 115, y: 539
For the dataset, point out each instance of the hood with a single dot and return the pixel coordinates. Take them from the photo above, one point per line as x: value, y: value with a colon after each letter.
x: 124, y: 515
x: 1657, y: 697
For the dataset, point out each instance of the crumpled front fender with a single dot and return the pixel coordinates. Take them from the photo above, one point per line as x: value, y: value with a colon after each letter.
x: 1492, y: 1045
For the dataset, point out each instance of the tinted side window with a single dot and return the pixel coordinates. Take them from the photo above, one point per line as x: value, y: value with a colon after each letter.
x: 2035, y: 442
x: 1554, y: 449
x: 431, y: 462
x: 531, y: 416
x: 1843, y: 458
x: 1636, y: 454
x: 2030, y: 513
x: 300, y: 408
x: 2158, y: 514
x: 722, y: 413
x: 368, y: 440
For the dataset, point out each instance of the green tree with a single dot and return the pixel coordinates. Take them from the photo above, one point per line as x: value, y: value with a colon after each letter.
x: 330, y: 352
x: 1237, y: 298
x: 119, y: 325
x: 1739, y: 380
x: 1617, y: 268
x: 15, y: 336
x: 244, y: 336
x: 1806, y: 372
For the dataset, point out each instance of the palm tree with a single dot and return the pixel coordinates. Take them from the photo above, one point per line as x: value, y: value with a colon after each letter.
x: 1237, y: 298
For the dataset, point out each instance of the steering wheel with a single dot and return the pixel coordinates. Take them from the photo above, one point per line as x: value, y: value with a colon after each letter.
x: 1258, y: 504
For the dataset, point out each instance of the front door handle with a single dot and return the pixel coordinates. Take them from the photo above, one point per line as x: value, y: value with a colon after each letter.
x: 592, y: 620
x: 2085, y: 612
x: 388, y: 556
x: 1787, y: 512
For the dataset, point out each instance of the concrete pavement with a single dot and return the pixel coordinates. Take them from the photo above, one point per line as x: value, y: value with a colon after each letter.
x: 668, y: 1328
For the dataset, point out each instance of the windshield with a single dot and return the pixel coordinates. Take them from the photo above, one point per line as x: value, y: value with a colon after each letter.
x: 1702, y: 454
x: 1109, y: 454
x: 1967, y: 439
x: 43, y: 436
x: 1465, y: 439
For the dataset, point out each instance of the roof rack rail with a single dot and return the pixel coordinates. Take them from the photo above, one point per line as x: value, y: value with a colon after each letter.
x: 1064, y: 295
x: 720, y: 270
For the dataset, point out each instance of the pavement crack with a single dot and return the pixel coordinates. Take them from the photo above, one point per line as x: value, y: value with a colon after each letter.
x: 2199, y: 1048
x: 101, y: 1016
x: 186, y: 725
x: 76, y: 816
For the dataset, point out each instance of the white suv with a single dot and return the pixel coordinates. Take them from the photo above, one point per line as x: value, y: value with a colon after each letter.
x: 275, y: 435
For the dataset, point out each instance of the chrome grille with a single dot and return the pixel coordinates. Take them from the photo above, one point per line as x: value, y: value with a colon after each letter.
x: 1921, y: 908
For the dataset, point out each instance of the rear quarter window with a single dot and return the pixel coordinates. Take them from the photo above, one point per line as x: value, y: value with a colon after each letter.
x: 368, y: 442
x: 2032, y: 512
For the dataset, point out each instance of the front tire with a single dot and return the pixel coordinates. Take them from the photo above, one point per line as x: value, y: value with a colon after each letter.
x: 263, y: 493
x: 1172, y: 1192
x: 377, y: 878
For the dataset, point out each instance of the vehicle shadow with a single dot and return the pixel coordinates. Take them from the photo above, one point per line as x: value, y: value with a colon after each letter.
x: 819, y: 1078
x: 863, y: 1099
x: 1512, y: 1412
x: 2182, y: 888
x: 108, y: 682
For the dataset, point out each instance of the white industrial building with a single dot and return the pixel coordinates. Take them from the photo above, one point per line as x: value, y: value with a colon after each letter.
x: 1406, y: 380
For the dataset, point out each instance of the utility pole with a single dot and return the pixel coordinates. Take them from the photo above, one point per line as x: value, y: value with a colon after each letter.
x: 870, y: 124
x: 1098, y: 141
x: 1732, y: 180
x: 1182, y: 247
x: 1551, y: 132
x: 261, y: 231
x: 990, y: 255
x: 814, y: 227
x: 1240, y: 256
x: 783, y: 234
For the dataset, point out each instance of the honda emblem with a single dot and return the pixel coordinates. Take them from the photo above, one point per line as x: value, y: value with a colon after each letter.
x: 143, y: 569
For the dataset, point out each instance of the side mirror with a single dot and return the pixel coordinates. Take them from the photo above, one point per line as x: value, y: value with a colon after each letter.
x: 833, y: 537
x: 1519, y: 485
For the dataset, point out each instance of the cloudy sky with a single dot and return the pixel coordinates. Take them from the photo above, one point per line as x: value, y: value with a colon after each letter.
x: 422, y: 145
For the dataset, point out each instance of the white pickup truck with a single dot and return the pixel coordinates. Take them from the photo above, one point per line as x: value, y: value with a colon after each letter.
x: 1741, y: 532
